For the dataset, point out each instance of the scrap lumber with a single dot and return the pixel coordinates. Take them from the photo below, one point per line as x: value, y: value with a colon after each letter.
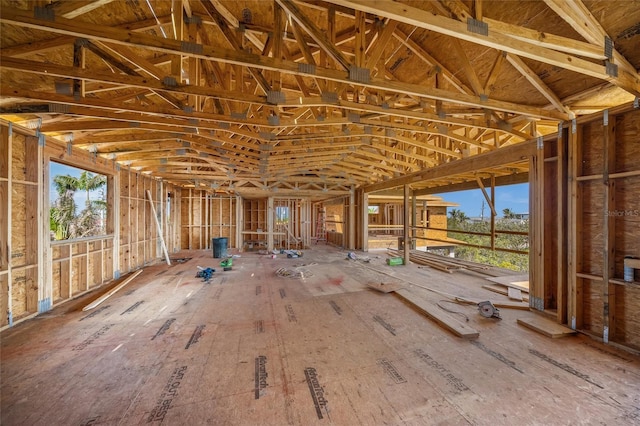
x: 514, y: 293
x: 546, y: 327
x: 420, y: 259
x: 437, y: 315
x: 158, y: 227
x: 111, y: 292
x: 449, y: 264
x: 520, y: 282
x: 500, y: 289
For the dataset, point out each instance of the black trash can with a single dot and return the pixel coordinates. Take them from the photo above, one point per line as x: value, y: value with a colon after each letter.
x: 219, y: 247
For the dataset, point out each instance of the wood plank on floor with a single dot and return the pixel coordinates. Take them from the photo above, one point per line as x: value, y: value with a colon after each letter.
x: 437, y: 315
x: 385, y: 287
x: 546, y: 327
x: 520, y: 282
x: 514, y: 293
x: 501, y: 289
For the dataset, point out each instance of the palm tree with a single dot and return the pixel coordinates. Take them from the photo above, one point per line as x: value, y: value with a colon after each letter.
x: 508, y: 214
x: 457, y: 216
x: 63, y: 212
x: 90, y: 182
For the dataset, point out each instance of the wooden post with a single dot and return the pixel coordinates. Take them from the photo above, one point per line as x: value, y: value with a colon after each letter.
x: 365, y: 221
x: 414, y: 217
x: 574, y: 311
x: 352, y: 220
x: 158, y: 227
x: 270, y: 214
x: 407, y: 237
x: 609, y: 250
x: 561, y: 222
x: 493, y: 212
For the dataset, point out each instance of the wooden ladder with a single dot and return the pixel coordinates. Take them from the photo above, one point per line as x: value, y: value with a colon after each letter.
x: 321, y: 230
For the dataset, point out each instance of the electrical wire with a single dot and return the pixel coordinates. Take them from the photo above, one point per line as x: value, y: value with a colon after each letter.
x: 451, y: 311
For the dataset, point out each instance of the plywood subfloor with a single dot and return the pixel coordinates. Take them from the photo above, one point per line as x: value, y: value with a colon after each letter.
x: 252, y: 348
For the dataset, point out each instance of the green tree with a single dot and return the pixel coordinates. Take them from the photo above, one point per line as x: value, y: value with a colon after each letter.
x: 63, y: 212
x: 63, y: 218
x: 508, y: 214
x: 457, y: 217
x: 89, y: 182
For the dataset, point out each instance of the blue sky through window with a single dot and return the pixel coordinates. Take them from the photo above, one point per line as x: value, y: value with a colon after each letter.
x: 514, y: 197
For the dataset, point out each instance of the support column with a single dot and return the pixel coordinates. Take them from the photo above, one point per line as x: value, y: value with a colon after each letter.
x: 407, y: 228
x: 365, y: 221
x: 609, y: 250
x: 352, y: 220
x: 270, y: 214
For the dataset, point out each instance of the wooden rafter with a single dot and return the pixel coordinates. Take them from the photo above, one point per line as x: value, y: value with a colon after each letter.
x: 454, y: 28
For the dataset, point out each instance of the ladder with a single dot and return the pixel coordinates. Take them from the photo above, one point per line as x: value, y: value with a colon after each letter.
x: 321, y: 230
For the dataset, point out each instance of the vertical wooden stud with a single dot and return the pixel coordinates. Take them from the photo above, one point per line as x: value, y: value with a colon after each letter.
x: 609, y: 250
x: 561, y: 222
x: 407, y: 229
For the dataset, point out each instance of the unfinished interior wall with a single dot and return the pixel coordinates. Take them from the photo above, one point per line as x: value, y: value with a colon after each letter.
x: 586, y: 198
x: 292, y: 223
x: 206, y: 216
x: 254, y: 229
x: 335, y: 218
x: 36, y: 272
x: 5, y: 213
x: 139, y: 239
x: 20, y: 192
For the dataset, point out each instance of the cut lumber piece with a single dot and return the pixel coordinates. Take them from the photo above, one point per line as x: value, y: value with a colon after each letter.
x: 111, y: 292
x: 158, y: 227
x: 385, y: 287
x: 437, y: 315
x: 546, y: 327
x: 511, y: 305
x: 514, y: 294
x: 520, y: 282
x: 500, y: 289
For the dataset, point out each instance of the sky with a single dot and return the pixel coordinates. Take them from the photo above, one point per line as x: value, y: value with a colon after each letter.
x: 514, y: 197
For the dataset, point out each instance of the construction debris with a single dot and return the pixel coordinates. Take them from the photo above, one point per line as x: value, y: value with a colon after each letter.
x: 293, y: 273
x: 448, y: 264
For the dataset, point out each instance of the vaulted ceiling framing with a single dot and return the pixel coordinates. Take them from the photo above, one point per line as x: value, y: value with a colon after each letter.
x: 310, y: 97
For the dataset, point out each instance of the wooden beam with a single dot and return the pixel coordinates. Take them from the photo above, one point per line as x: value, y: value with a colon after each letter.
x: 537, y: 82
x: 478, y: 162
x: 495, y: 71
x: 430, y: 60
x: 576, y: 14
x: 73, y: 9
x: 467, y: 67
x: 314, y: 32
x: 245, y: 58
x: 486, y: 196
x: 453, y: 28
x: 380, y: 44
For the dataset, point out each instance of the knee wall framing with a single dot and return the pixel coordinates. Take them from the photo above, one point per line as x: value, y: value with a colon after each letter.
x: 37, y: 273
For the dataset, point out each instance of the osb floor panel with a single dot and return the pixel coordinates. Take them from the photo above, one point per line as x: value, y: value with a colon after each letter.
x: 252, y: 348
